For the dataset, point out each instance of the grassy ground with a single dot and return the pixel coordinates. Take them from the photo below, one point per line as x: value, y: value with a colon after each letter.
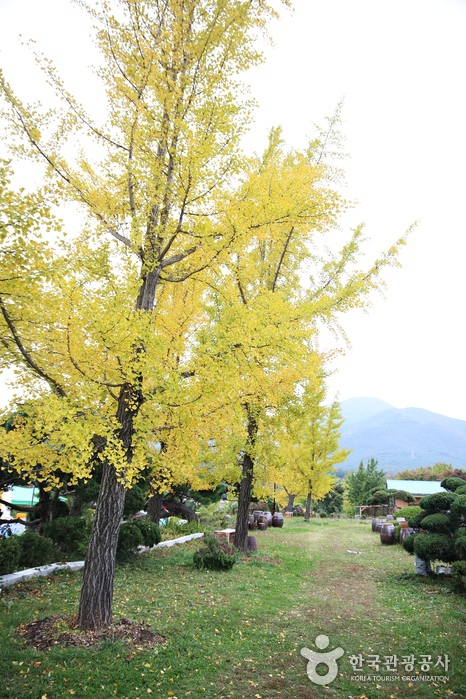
x: 239, y: 634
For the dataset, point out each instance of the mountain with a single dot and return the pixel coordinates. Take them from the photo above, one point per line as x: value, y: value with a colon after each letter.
x: 400, y: 439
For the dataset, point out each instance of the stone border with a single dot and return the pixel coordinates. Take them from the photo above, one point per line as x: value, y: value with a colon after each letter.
x: 42, y: 571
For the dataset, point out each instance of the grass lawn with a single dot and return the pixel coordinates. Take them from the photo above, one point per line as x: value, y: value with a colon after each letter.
x: 239, y: 634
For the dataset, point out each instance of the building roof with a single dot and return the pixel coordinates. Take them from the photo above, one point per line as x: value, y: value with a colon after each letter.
x: 416, y: 487
x: 21, y: 495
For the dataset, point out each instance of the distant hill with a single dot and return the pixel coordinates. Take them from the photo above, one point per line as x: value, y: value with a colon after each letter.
x: 400, y: 439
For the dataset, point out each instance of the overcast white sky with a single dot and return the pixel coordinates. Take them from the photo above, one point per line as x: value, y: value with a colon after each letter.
x: 401, y: 65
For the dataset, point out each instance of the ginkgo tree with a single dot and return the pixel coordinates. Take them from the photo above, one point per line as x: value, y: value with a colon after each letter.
x: 176, y: 113
x: 309, y: 446
x: 174, y: 326
x: 273, y: 288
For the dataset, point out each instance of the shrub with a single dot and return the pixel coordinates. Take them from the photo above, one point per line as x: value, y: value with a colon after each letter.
x: 415, y: 521
x: 458, y: 571
x: 149, y: 530
x: 135, y: 499
x: 36, y: 550
x: 440, y: 523
x: 408, y: 511
x: 129, y: 538
x: 217, y: 554
x: 434, y: 547
x: 403, y: 495
x: 452, y: 483
x: 408, y: 543
x: 461, y: 491
x: 458, y: 507
x: 10, y: 552
x: 68, y: 533
x: 460, y: 547
x: 437, y: 502
x: 323, y: 514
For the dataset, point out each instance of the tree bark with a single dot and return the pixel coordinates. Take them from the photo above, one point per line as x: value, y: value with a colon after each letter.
x: 244, y: 500
x: 291, y: 497
x: 307, y: 513
x: 154, y: 507
x: 245, y: 491
x: 95, y: 606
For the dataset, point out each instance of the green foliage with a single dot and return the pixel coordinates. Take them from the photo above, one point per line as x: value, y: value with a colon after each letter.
x: 461, y: 491
x: 437, y: 502
x: 460, y: 546
x: 135, y: 499
x: 217, y: 554
x: 403, y: 495
x: 434, y: 547
x: 415, y: 520
x: 439, y: 523
x: 408, y: 543
x: 458, y: 506
x: 458, y: 571
x: 323, y: 514
x: 10, y: 552
x: 379, y: 497
x: 129, y: 538
x: 409, y: 511
x: 452, y: 483
x: 149, y: 530
x: 358, y: 485
x: 70, y: 534
x: 36, y: 550
x: 332, y: 502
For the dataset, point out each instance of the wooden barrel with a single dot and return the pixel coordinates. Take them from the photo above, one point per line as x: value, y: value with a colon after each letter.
x: 256, y: 514
x: 269, y: 518
x: 375, y: 522
x: 277, y: 519
x: 387, y: 533
x: 252, y: 524
x: 252, y: 543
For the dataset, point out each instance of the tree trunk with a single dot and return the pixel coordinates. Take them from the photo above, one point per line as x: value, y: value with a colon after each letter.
x: 154, y: 507
x: 307, y: 513
x: 291, y: 497
x: 244, y: 500
x: 95, y: 606
x: 179, y: 509
x: 245, y: 491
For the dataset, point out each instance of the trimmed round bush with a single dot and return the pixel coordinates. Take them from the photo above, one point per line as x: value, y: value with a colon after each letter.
x: 408, y: 511
x: 10, y: 552
x: 149, y: 530
x: 458, y: 572
x: 461, y: 491
x: 460, y: 547
x: 452, y: 483
x: 434, y: 547
x: 439, y: 523
x: 217, y: 554
x: 415, y: 520
x: 129, y: 538
x: 458, y: 507
x: 408, y: 543
x: 36, y: 550
x: 69, y: 533
x: 437, y: 502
